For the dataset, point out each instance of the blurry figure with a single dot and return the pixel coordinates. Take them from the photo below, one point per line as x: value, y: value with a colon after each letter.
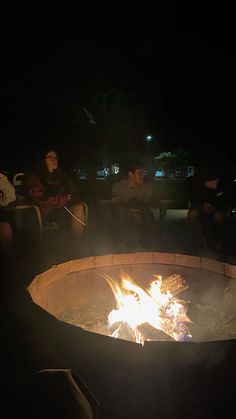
x: 209, y: 208
x: 60, y: 393
x: 7, y: 197
x: 56, y: 194
x: 7, y: 190
x: 134, y: 221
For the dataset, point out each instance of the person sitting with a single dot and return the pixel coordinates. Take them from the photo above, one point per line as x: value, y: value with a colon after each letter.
x: 7, y: 190
x: 7, y: 197
x: 54, y: 192
x: 134, y: 221
x: 209, y: 209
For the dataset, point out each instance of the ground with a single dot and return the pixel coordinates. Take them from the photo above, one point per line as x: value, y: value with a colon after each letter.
x: 156, y: 381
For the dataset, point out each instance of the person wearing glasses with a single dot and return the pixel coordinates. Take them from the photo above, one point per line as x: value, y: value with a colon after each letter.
x: 56, y: 195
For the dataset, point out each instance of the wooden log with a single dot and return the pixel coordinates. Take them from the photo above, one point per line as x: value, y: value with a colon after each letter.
x: 174, y: 284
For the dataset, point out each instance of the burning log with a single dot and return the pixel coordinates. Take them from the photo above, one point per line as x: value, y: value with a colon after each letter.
x: 150, y: 333
x: 155, y: 305
x: 175, y: 284
x: 123, y: 330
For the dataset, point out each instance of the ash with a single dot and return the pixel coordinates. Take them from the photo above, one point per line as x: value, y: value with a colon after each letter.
x: 208, y: 323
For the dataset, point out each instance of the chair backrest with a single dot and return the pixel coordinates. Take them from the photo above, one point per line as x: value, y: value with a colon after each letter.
x: 18, y: 179
x: 18, y: 183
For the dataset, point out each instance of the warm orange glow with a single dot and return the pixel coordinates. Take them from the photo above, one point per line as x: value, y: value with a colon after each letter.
x: 136, y: 306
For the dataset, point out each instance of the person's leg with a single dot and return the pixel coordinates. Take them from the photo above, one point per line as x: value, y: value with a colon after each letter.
x: 6, y: 263
x: 78, y: 219
x: 148, y: 231
x: 196, y: 222
x: 6, y: 238
x: 219, y: 224
x: 126, y: 233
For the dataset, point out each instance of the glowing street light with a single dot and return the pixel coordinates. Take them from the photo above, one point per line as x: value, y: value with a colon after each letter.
x: 148, y: 138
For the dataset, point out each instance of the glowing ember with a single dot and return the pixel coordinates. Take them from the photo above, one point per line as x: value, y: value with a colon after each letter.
x: 137, y: 309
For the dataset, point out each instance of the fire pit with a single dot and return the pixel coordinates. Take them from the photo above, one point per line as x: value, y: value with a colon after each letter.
x: 81, y: 292
x: 164, y: 378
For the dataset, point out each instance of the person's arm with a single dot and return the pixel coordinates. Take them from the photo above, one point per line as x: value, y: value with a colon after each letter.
x: 208, y: 208
x: 55, y: 201
x: 37, y: 193
x: 7, y: 191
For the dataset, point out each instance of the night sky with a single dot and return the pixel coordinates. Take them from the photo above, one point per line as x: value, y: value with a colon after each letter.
x: 170, y: 69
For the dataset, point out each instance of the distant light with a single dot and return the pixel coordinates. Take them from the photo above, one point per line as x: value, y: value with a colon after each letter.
x: 115, y: 169
x: 102, y: 173
x: 190, y: 170
x: 148, y: 138
x: 159, y: 173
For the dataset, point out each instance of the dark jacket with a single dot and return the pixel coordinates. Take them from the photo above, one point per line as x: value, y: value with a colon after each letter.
x: 199, y: 194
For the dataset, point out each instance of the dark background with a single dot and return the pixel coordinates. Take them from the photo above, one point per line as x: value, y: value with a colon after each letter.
x: 168, y: 71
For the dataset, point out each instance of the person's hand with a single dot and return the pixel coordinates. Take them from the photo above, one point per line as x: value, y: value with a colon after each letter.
x: 67, y: 198
x: 136, y: 214
x: 73, y: 199
x: 208, y: 208
x: 62, y: 200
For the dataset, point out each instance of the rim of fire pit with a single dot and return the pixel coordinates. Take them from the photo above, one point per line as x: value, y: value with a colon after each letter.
x: 91, y: 262
x: 67, y: 290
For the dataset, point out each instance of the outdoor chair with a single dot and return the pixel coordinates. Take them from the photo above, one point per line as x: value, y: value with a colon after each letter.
x: 30, y: 228
x: 18, y: 181
x: 27, y: 225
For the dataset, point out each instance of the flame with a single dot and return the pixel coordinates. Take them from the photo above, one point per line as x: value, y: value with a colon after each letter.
x: 136, y: 307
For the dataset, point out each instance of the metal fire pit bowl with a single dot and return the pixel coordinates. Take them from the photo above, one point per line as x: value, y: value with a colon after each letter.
x: 75, y: 292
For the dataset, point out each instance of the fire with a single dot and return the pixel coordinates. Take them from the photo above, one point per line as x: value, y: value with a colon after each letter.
x: 156, y: 306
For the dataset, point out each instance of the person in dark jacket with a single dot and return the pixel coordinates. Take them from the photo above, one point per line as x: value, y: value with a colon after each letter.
x: 209, y: 207
x: 54, y: 192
